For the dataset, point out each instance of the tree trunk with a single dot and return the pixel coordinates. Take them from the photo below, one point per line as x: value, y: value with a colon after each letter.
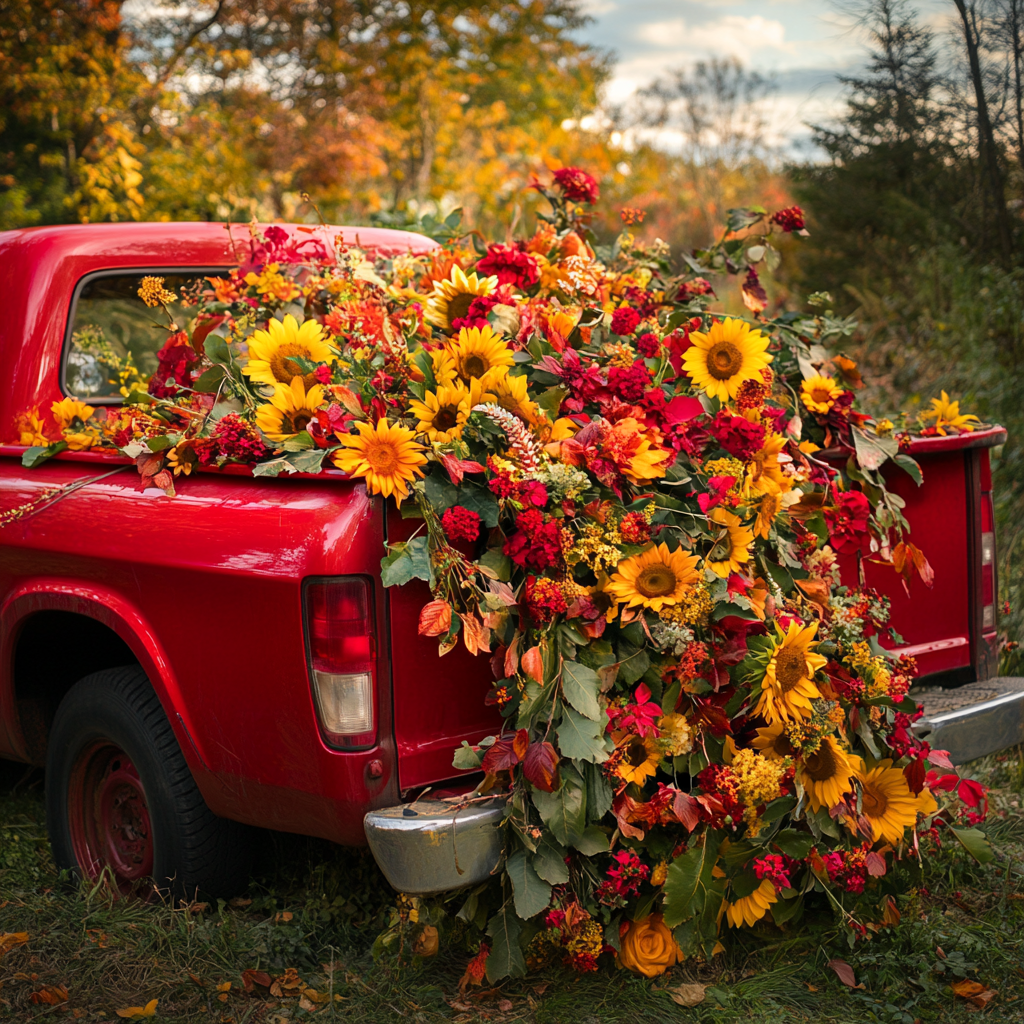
x: 986, y: 137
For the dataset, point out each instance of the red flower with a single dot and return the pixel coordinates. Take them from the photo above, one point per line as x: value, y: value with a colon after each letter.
x: 637, y: 717
x: 625, y: 320
x: 773, y: 867
x: 543, y: 599
x: 789, y: 219
x: 648, y: 345
x: 630, y: 384
x: 691, y: 289
x: 232, y: 439
x: 510, y: 265
x: 577, y: 186
x: 175, y: 362
x: 536, y: 544
x: 628, y: 873
x: 476, y: 315
x: 737, y: 435
x: 848, y: 521
x: 461, y: 524
x: 634, y: 528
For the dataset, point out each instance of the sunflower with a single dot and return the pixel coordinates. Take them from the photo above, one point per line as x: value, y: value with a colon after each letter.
x: 511, y: 394
x: 819, y: 393
x: 722, y: 359
x: 750, y: 909
x: 273, y: 353
x: 451, y: 299
x: 479, y: 354
x: 887, y: 802
x: 787, y: 687
x: 387, y: 456
x: 640, y: 759
x: 654, y: 578
x: 827, y: 775
x: 732, y: 545
x: 289, y: 410
x: 773, y: 742
x: 442, y: 413
x: 947, y: 414
x: 764, y: 471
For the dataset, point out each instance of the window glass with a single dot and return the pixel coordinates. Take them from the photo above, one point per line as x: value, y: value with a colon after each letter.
x: 115, y: 337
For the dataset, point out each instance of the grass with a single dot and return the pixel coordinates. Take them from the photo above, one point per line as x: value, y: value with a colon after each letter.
x: 316, y: 909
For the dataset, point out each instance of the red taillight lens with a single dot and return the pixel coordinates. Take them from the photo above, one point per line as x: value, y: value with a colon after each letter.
x: 342, y: 654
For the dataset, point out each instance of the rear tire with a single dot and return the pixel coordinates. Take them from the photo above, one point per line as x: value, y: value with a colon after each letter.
x: 120, y: 797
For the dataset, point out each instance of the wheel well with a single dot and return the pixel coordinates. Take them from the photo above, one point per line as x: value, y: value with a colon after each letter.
x: 53, y: 651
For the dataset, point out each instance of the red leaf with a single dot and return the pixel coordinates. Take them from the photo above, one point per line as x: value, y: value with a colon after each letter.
x: 970, y: 792
x: 475, y: 635
x: 505, y: 752
x: 941, y: 758
x: 540, y: 766
x: 875, y: 863
x: 458, y: 467
x: 686, y: 810
x: 512, y: 656
x: 201, y: 332
x: 251, y: 977
x: 914, y: 773
x: 532, y: 664
x: 435, y: 618
x: 844, y: 972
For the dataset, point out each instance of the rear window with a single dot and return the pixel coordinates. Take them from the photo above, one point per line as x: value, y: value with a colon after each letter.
x: 114, y: 337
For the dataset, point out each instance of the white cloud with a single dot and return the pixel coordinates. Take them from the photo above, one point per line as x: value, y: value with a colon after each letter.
x: 731, y: 35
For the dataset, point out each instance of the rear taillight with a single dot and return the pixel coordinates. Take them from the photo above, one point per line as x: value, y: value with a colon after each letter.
x: 988, y: 563
x: 342, y: 654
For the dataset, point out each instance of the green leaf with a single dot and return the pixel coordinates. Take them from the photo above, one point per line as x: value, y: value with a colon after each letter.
x: 506, y: 959
x: 310, y: 461
x: 592, y: 842
x: 37, y: 455
x: 785, y: 910
x: 409, y: 560
x: 599, y: 790
x: 580, y: 686
x: 498, y: 562
x: 532, y: 893
x: 793, y: 843
x: 873, y: 450
x: 209, y: 381
x: 742, y: 217
x: 777, y: 808
x: 301, y: 442
x: 216, y: 349
x: 467, y: 759
x: 905, y: 462
x: 633, y: 663
x: 564, y: 811
x: 688, y: 878
x: 975, y: 842
x: 551, y: 401
x: 549, y: 861
x: 581, y: 738
x: 158, y: 444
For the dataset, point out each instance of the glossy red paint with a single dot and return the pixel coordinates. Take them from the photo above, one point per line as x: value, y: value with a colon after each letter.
x: 941, y: 625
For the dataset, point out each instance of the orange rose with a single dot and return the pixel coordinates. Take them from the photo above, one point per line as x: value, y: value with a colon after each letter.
x: 427, y: 942
x: 648, y: 947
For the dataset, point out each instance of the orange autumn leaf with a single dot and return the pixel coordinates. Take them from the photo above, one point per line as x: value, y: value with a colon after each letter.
x: 11, y: 940
x: 849, y: 372
x: 435, y: 618
x: 977, y: 994
x: 138, y: 1012
x: 532, y: 663
x: 475, y: 635
x: 50, y: 995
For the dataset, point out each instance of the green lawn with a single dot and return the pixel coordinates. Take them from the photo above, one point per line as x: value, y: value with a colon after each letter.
x: 316, y: 909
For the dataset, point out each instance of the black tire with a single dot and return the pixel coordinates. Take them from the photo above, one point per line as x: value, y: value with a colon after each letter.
x: 173, y: 837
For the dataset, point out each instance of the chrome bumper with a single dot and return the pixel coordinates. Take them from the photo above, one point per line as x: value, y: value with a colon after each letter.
x: 990, y: 718
x: 428, y: 846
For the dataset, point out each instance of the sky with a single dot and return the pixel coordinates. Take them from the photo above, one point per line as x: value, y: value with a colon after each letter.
x: 804, y: 44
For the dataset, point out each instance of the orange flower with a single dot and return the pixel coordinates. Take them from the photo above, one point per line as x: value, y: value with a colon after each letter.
x: 648, y: 947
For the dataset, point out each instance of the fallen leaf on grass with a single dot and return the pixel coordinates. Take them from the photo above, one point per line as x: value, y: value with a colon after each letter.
x: 504, y: 1005
x: 239, y: 901
x: 11, y: 940
x: 284, y: 915
x: 306, y: 1005
x: 687, y: 994
x: 223, y: 991
x: 844, y: 972
x: 287, y: 984
x: 810, y: 987
x: 51, y: 995
x: 251, y: 978
x: 974, y: 992
x: 137, y: 1012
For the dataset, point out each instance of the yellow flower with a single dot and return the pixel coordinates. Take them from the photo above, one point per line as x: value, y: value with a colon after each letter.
x: 787, y: 689
x: 442, y: 413
x: 827, y: 775
x: 750, y: 909
x: 758, y: 777
x: 887, y: 802
x: 270, y: 282
x: 478, y: 353
x: 32, y: 429
x: 773, y: 742
x: 819, y: 393
x: 768, y: 510
x: 732, y: 545
x: 67, y: 410
x: 273, y: 352
x: 640, y: 759
x: 511, y: 394
x: 648, y: 948
x: 655, y: 577
x: 289, y: 410
x: 675, y: 734
x: 451, y: 299
x: 638, y: 458
x: 387, y: 456
x: 764, y: 472
x: 728, y: 354
x: 153, y: 293
x: 947, y: 414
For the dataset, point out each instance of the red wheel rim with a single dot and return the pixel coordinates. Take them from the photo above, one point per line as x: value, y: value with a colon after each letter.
x: 109, y: 817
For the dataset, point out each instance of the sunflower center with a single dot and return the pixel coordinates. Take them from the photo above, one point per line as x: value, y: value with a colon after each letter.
x: 382, y: 457
x: 722, y: 548
x: 296, y: 422
x: 874, y: 803
x: 635, y: 753
x: 656, y: 580
x: 823, y: 765
x: 474, y: 366
x: 790, y: 668
x: 284, y: 367
x: 782, y: 746
x: 458, y: 306
x: 770, y: 506
x: 724, y: 360
x: 446, y: 417
x: 820, y: 395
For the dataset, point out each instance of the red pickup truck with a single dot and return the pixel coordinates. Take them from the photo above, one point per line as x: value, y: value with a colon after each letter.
x: 115, y: 606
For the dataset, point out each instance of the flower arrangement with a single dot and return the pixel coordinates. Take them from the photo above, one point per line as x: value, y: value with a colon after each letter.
x: 638, y: 510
